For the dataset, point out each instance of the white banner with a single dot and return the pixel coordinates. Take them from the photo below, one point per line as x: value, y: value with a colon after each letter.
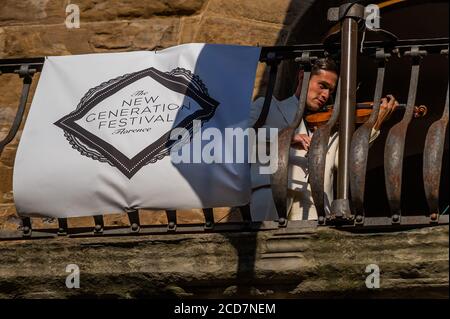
x: 97, y: 137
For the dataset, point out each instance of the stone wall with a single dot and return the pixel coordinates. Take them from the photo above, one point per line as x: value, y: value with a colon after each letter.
x: 274, y: 264
x: 32, y: 28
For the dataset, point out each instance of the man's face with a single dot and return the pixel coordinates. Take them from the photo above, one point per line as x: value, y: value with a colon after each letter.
x: 321, y: 86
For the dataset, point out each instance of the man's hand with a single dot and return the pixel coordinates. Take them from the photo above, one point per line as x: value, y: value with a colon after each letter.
x: 388, y: 105
x: 301, y: 142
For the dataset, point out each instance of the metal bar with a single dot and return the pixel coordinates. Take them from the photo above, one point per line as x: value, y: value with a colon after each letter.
x: 99, y: 224
x: 11, y: 65
x: 317, y: 159
x: 384, y: 224
x: 340, y: 208
x: 360, y: 145
x: 279, y: 179
x: 171, y: 220
x: 370, y: 223
x: 209, y: 218
x: 159, y: 230
x: 306, y: 61
x: 290, y: 52
x: 27, y: 75
x: 432, y: 161
x: 245, y: 212
x: 395, y: 142
x: 269, y: 93
x: 62, y: 227
x: 133, y: 217
x: 432, y: 45
x: 18, y: 235
x: 420, y: 220
x: 27, y: 229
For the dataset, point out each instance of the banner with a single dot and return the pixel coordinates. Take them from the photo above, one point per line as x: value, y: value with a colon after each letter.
x: 99, y: 135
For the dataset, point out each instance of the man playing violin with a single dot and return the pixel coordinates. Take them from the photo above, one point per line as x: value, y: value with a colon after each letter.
x: 322, y: 85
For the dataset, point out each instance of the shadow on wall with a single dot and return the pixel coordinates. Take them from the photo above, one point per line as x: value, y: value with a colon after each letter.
x: 309, y: 26
x: 245, y: 281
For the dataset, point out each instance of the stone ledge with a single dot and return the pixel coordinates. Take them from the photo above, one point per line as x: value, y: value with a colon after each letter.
x: 306, y: 263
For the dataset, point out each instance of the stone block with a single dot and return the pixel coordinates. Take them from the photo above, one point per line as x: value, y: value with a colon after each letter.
x: 32, y: 12
x: 219, y: 29
x: 279, y: 12
x: 42, y: 40
x: 189, y: 29
x: 8, y: 217
x: 44, y: 12
x: 10, y: 89
x: 131, y: 9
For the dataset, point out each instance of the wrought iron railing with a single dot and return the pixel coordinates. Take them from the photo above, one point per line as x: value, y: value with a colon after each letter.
x: 348, y: 209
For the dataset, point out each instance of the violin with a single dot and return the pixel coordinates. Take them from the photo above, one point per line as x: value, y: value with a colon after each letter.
x: 363, y: 111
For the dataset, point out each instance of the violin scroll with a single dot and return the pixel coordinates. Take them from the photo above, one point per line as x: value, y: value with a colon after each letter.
x: 420, y: 111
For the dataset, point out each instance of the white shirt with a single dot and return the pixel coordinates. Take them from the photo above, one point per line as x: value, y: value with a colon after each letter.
x: 281, y: 114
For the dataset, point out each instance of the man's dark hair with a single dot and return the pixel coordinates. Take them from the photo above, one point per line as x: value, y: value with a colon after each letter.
x: 326, y: 64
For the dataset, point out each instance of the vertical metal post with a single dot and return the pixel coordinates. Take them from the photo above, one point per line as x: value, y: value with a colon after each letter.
x: 360, y: 143
x: 279, y: 179
x: 348, y: 102
x: 348, y: 14
x: 394, y: 148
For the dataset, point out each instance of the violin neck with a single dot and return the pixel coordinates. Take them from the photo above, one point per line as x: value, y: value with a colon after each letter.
x: 369, y: 106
